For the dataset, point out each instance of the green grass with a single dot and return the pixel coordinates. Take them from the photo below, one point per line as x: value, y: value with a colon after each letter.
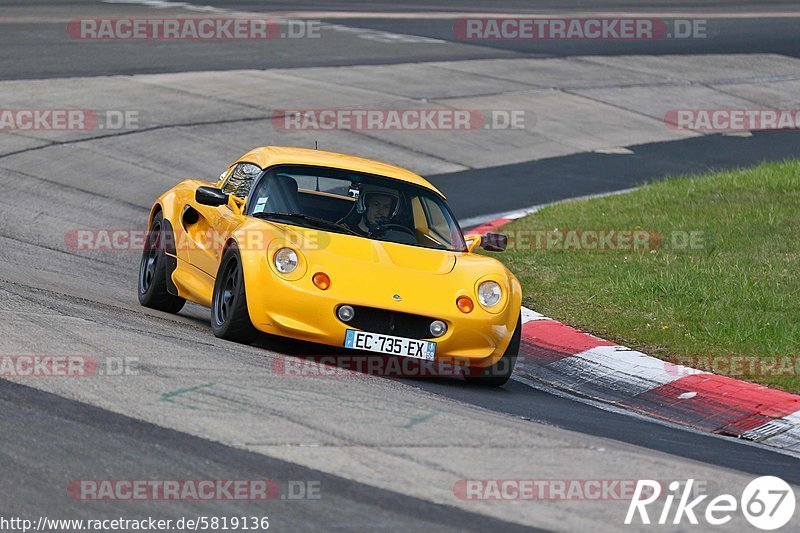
x: 737, y: 294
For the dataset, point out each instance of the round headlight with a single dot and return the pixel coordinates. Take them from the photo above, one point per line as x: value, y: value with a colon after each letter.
x: 438, y: 328
x: 285, y: 260
x: 489, y: 293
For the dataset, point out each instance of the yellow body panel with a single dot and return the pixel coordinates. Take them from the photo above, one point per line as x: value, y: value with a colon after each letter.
x: 363, y: 272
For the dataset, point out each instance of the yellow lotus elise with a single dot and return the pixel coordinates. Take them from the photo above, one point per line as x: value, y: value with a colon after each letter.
x: 337, y: 250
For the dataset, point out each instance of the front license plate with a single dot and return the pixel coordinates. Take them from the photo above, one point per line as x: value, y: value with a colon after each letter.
x: 376, y: 342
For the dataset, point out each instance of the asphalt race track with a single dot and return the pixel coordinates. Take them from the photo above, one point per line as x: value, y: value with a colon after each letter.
x: 35, y: 44
x: 384, y: 454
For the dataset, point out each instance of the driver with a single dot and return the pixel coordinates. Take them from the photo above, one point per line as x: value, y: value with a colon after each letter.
x: 378, y: 207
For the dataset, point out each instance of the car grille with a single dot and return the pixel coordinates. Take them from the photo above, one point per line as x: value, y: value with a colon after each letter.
x: 391, y: 323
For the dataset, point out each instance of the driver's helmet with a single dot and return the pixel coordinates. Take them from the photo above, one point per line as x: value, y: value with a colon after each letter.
x: 368, y: 190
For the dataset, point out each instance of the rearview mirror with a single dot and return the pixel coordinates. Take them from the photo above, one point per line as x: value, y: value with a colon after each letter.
x: 210, y: 196
x: 494, y: 242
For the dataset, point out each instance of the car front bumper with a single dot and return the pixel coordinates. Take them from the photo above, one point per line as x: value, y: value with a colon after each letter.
x: 299, y: 310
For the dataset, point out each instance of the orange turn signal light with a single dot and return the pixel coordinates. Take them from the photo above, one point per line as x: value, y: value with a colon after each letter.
x: 322, y: 281
x: 465, y: 304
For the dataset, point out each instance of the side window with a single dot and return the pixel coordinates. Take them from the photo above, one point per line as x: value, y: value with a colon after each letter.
x: 420, y: 220
x: 241, y: 180
x: 438, y: 222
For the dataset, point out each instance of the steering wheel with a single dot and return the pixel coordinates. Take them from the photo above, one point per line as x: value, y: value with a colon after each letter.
x: 397, y: 227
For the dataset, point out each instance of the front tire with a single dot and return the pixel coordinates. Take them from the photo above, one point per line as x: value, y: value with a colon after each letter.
x: 499, y: 373
x: 230, y: 319
x: 153, y: 271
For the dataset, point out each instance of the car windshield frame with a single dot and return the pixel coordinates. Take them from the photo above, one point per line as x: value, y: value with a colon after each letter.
x: 374, y: 179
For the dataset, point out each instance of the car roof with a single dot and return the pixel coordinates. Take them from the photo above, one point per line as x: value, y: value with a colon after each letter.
x: 267, y: 156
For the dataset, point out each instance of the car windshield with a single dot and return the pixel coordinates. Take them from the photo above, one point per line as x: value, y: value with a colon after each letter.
x: 366, y: 205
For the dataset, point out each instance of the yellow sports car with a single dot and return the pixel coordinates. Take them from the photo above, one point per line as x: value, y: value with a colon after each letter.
x: 338, y: 250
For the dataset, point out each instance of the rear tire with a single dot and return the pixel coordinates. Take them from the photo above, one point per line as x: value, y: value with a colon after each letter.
x: 499, y: 373
x: 230, y: 319
x: 153, y: 271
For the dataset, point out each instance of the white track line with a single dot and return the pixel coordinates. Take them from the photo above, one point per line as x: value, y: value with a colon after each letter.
x: 519, y: 213
x: 447, y: 15
x: 417, y: 15
x: 362, y: 33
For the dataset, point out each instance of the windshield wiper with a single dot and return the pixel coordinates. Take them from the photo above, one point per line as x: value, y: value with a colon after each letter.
x: 325, y: 224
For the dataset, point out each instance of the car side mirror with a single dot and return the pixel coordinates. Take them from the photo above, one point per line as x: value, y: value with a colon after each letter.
x: 210, y: 196
x: 494, y: 242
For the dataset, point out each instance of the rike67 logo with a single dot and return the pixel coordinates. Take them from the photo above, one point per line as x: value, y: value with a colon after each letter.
x: 767, y: 503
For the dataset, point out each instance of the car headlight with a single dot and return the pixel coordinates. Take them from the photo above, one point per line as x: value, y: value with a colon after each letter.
x: 285, y: 260
x: 489, y: 293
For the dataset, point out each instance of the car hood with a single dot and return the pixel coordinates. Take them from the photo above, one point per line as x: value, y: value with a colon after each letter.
x: 407, y: 278
x: 372, y: 253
